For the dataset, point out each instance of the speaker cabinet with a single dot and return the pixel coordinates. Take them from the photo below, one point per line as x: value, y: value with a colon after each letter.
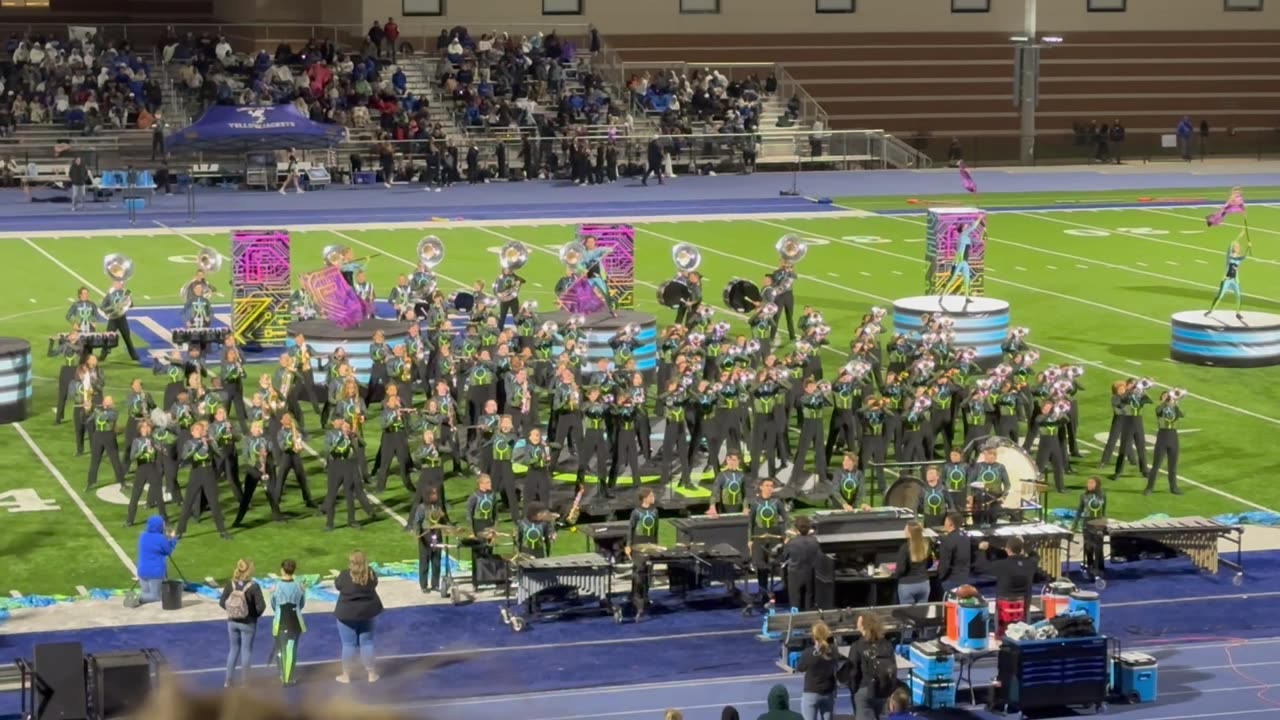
x: 60, y: 688
x: 121, y: 682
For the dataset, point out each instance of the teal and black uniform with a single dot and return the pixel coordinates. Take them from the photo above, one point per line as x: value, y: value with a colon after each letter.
x: 102, y: 441
x: 767, y: 527
x: 934, y: 505
x: 115, y: 305
x: 728, y: 492
x: 1093, y: 513
x: 1168, y: 415
x: 287, y: 626
x: 642, y: 529
x: 533, y: 537
x: 848, y: 488
x: 955, y: 477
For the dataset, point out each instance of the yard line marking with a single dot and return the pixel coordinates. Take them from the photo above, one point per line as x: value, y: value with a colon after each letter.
x: 1190, y: 232
x: 93, y: 519
x: 154, y: 326
x: 144, y: 297
x: 1141, y: 264
x: 1202, y: 262
x: 1082, y: 267
x: 15, y: 594
x: 82, y: 590
x: 180, y: 234
x: 864, y: 273
x: 63, y: 265
x: 224, y: 318
x: 372, y: 498
x: 831, y: 274
x: 1203, y: 398
x: 1170, y: 262
x: 1197, y: 248
x: 1133, y: 362
x: 897, y: 272
x: 1052, y: 267
x: 1019, y: 267
x: 33, y: 299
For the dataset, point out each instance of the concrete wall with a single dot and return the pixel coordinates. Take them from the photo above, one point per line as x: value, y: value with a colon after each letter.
x: 798, y: 16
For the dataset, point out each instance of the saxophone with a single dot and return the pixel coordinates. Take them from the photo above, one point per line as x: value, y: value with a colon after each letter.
x: 262, y: 459
x: 576, y: 510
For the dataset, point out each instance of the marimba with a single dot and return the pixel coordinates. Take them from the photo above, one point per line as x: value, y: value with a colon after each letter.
x: 728, y: 530
x: 1050, y: 543
x: 565, y: 579
x: 200, y: 336
x: 1195, y: 537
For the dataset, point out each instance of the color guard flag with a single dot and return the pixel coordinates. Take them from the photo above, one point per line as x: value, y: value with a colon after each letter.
x: 966, y: 179
x: 1234, y: 204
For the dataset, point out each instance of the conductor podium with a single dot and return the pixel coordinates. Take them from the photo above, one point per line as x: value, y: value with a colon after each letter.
x: 1222, y: 339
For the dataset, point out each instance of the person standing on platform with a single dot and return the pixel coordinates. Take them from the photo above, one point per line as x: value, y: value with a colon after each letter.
x: 624, y: 442
x: 356, y: 613
x: 728, y: 491
x: 202, y: 487
x: 1231, y: 280
x: 83, y: 315
x: 594, y: 444
x: 766, y: 529
x: 800, y: 559
x: 1168, y: 414
x: 1093, y: 514
x: 243, y: 601
x: 954, y: 553
x: 537, y: 481
x: 935, y: 501
x: 813, y: 404
x: 287, y: 602
x: 115, y: 306
x: 102, y: 427
x: 673, y: 404
x: 146, y: 453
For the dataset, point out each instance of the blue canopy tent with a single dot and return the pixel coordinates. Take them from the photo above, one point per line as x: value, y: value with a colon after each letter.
x: 245, y: 129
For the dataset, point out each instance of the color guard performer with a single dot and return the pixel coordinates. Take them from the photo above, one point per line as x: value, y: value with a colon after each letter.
x: 1231, y: 279
x: 590, y: 268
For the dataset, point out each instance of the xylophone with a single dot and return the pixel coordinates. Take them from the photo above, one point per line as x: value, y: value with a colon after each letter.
x: 565, y: 579
x: 1195, y: 537
x: 1042, y: 539
x: 728, y: 530
x: 200, y: 336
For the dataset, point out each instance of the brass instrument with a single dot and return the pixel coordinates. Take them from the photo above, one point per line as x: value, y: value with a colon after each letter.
x: 576, y: 510
x: 791, y: 248
x: 430, y: 251
x: 513, y: 255
x: 119, y: 268
x: 262, y: 460
x: 335, y: 255
x: 686, y: 257
x: 572, y: 255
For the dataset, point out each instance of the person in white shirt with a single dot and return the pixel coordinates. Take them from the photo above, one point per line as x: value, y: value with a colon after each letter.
x: 223, y: 52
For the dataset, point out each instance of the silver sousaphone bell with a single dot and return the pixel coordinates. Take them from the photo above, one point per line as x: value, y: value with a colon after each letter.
x: 334, y: 255
x: 791, y: 248
x: 572, y: 255
x: 430, y: 251
x: 119, y: 268
x: 513, y: 255
x: 686, y: 257
x: 209, y: 261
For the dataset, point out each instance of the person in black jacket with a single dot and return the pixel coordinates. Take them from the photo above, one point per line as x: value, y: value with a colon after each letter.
x: 358, y: 606
x: 1014, y: 574
x: 243, y: 601
x: 655, y: 162
x: 954, y: 554
x: 819, y: 664
x: 873, y: 670
x: 800, y: 558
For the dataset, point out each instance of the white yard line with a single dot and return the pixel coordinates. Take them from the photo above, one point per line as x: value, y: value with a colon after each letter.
x: 75, y: 498
x: 1046, y: 217
x: 63, y: 265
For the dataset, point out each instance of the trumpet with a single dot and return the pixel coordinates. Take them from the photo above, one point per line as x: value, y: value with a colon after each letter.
x: 1144, y: 384
x: 824, y: 387
x: 1075, y: 371
x: 1177, y: 394
x: 1019, y: 332
x: 922, y: 404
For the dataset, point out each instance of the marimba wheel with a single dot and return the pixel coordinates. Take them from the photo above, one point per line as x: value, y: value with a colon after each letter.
x: 517, y: 623
x: 1238, y: 580
x: 1099, y: 584
x: 617, y: 615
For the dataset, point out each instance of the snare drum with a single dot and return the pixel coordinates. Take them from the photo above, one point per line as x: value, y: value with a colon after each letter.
x: 462, y: 302
x: 674, y: 294
x: 741, y: 295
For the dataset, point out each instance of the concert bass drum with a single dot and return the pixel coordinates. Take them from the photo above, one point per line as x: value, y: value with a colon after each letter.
x: 741, y: 295
x: 674, y: 294
x: 905, y: 493
x: 1024, y: 476
x: 462, y: 302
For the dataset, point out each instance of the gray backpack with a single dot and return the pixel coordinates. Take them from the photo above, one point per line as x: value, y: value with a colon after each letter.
x: 237, y: 604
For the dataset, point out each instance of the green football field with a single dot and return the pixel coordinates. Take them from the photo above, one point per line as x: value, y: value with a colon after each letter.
x: 1095, y: 287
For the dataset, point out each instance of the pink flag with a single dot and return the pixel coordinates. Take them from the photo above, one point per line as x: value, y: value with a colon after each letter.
x: 1234, y: 204
x: 966, y: 179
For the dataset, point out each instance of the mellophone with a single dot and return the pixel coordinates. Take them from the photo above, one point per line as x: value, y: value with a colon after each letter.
x: 1195, y: 537
x: 200, y: 336
x: 1051, y: 544
x: 94, y: 340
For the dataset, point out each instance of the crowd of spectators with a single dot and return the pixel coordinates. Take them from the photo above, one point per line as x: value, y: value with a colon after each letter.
x: 702, y: 97
x: 82, y: 83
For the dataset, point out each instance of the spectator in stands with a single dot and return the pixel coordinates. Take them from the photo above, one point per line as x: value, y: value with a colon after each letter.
x: 654, y: 167
x: 357, y: 609
x: 779, y: 704
x: 391, y: 31
x: 376, y: 37
x: 1184, y: 132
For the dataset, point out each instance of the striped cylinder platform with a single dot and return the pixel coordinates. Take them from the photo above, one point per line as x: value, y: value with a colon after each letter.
x: 1222, y: 339
x: 982, y: 323
x: 601, y: 328
x: 15, y: 380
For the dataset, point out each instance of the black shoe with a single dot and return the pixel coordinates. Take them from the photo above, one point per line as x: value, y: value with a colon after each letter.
x: 224, y: 535
x: 128, y: 524
x: 328, y: 528
x: 1148, y: 491
x: 355, y: 526
x: 1175, y: 491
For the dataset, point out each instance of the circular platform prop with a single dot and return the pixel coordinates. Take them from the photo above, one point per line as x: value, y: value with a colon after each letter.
x: 324, y: 337
x: 981, y: 323
x: 600, y: 328
x: 16, y: 379
x: 1221, y: 339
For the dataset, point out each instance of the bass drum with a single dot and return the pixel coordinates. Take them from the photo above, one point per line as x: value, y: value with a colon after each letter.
x: 674, y: 294
x: 462, y: 302
x: 904, y: 493
x: 1024, y: 477
x: 741, y: 295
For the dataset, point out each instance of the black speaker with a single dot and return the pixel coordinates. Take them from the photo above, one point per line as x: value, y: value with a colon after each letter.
x: 60, y: 692
x: 121, y: 682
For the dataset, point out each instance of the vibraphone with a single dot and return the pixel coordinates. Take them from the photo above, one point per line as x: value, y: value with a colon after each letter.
x: 1195, y: 537
x: 200, y: 336
x: 728, y: 530
x: 1050, y: 543
x: 565, y: 580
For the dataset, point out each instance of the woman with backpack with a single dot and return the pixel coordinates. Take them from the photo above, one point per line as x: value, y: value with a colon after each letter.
x: 242, y: 599
x: 819, y: 664
x: 912, y: 570
x: 358, y: 606
x: 873, y: 669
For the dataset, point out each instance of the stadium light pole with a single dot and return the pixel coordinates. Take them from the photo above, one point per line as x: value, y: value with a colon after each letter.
x: 1026, y: 80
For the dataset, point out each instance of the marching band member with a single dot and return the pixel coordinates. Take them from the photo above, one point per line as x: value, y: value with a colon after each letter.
x: 955, y: 474
x: 400, y: 373
x: 427, y: 459
x: 150, y: 477
x: 764, y: 393
x: 303, y: 356
x: 85, y: 393
x: 813, y: 403
x: 642, y: 529
x: 102, y: 421
x: 521, y: 402
x: 166, y: 438
x: 226, y: 461
x: 500, y: 448
x: 506, y: 288
x: 1049, y: 453
x: 429, y: 514
x: 197, y: 314
x: 639, y: 393
x: 623, y: 438
x: 535, y: 532
x: 481, y: 505
x: 199, y: 281
x: 994, y: 478
x: 849, y: 489
x: 873, y: 419
x: 783, y: 281
x: 202, y: 486
x: 173, y: 367
x: 594, y: 444
x: 1168, y: 414
x: 70, y: 351
x: 344, y: 475
x: 693, y: 306
x: 1015, y: 343
x: 916, y: 445
x: 537, y: 458
x: 1093, y: 513
x: 302, y: 305
x: 1133, y: 438
x: 364, y: 291
x: 565, y: 426
x: 767, y: 527
x: 673, y: 405
x: 401, y: 298
x: 351, y: 408
x: 289, y: 458
x: 139, y: 406
x: 728, y: 491
x: 115, y: 307
x: 260, y: 472
x: 394, y: 445
x: 233, y: 374
x: 978, y: 410
x: 83, y: 314
x: 448, y: 422
x: 846, y: 396
x: 286, y: 381
x: 935, y: 501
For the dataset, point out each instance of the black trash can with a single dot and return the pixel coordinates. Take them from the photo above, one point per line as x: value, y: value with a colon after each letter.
x: 171, y: 594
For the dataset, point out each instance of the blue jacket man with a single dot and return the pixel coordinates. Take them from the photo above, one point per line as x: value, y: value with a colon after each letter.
x: 154, y: 549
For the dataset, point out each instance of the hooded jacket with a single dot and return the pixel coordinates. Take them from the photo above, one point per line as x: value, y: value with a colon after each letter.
x: 153, y: 549
x: 780, y: 705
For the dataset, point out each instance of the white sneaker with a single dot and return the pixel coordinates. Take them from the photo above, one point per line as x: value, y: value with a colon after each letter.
x: 282, y: 191
x: 373, y: 677
x: 344, y: 678
x: 388, y: 185
x: 299, y: 191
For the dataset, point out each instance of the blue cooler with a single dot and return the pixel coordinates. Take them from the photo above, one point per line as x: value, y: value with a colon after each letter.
x: 1134, y: 676
x: 972, y: 621
x: 933, y: 694
x: 1086, y: 601
x: 932, y: 661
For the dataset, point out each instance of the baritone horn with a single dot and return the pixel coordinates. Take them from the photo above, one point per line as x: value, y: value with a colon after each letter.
x: 430, y: 251
x: 791, y: 248
x: 513, y: 255
x: 686, y: 257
